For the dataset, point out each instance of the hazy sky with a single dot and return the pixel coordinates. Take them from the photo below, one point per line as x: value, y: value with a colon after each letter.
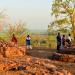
x: 36, y: 13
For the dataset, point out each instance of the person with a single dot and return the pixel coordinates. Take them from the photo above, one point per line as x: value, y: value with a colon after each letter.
x: 69, y: 40
x: 63, y: 41
x: 28, y: 43
x: 58, y: 41
x: 14, y: 39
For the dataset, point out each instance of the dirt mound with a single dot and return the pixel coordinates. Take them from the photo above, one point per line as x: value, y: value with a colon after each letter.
x: 9, y: 50
x: 14, y: 51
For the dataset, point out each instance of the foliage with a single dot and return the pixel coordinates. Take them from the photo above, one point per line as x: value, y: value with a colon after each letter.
x: 19, y: 29
x: 64, y: 11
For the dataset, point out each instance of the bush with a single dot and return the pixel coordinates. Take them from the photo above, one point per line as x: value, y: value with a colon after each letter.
x: 43, y: 42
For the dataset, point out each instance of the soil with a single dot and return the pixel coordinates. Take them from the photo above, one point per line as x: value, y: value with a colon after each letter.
x: 45, y: 53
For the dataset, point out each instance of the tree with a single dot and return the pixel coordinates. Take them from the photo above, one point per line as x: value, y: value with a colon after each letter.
x: 17, y: 28
x: 64, y: 12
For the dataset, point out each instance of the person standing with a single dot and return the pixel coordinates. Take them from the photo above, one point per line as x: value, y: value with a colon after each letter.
x: 69, y: 40
x: 58, y: 42
x: 63, y: 41
x: 14, y: 39
x: 28, y: 42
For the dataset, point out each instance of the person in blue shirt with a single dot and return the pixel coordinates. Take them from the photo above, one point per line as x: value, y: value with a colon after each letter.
x: 28, y: 42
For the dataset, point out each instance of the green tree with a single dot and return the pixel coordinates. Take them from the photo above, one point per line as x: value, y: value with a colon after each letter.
x: 64, y: 13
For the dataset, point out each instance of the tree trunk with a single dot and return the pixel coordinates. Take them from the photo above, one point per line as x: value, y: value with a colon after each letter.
x: 73, y: 24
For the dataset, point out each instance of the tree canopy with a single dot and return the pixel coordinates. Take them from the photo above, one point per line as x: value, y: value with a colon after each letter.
x: 64, y: 13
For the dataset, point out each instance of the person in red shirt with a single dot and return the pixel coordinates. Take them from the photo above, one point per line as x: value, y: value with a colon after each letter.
x: 14, y: 39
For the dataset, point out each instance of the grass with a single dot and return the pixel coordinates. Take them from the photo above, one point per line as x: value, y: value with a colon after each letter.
x: 36, y: 40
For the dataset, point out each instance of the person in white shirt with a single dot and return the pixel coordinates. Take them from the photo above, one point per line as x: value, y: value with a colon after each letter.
x: 69, y: 40
x: 28, y: 43
x: 69, y: 37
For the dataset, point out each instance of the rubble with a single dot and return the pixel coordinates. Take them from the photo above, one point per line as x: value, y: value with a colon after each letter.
x: 63, y: 57
x: 26, y: 65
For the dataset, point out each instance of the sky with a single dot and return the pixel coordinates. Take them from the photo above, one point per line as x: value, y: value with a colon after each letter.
x: 35, y: 13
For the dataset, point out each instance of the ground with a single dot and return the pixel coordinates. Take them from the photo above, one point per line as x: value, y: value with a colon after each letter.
x: 46, y: 53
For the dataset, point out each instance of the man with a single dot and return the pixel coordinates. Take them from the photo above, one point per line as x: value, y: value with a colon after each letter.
x: 58, y: 41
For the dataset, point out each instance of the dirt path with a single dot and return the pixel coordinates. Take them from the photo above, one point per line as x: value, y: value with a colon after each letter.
x: 41, y: 53
x: 45, y: 53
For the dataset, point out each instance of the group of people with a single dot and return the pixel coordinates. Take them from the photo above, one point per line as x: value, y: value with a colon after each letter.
x: 63, y: 41
x: 28, y: 38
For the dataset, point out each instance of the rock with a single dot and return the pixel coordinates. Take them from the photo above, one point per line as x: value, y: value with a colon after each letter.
x: 28, y: 68
x: 20, y: 68
x: 13, y: 52
x: 50, y: 66
x: 59, y: 73
x: 69, y: 73
x: 63, y: 57
x: 1, y: 56
x: 17, y: 64
x: 2, y: 66
x: 28, y: 59
x: 38, y: 73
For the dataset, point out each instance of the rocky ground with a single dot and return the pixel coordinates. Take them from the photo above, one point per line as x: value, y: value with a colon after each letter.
x: 16, y: 60
x: 28, y: 65
x: 46, y: 53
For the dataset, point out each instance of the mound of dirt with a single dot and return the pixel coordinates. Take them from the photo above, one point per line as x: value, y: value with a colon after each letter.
x: 9, y: 50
